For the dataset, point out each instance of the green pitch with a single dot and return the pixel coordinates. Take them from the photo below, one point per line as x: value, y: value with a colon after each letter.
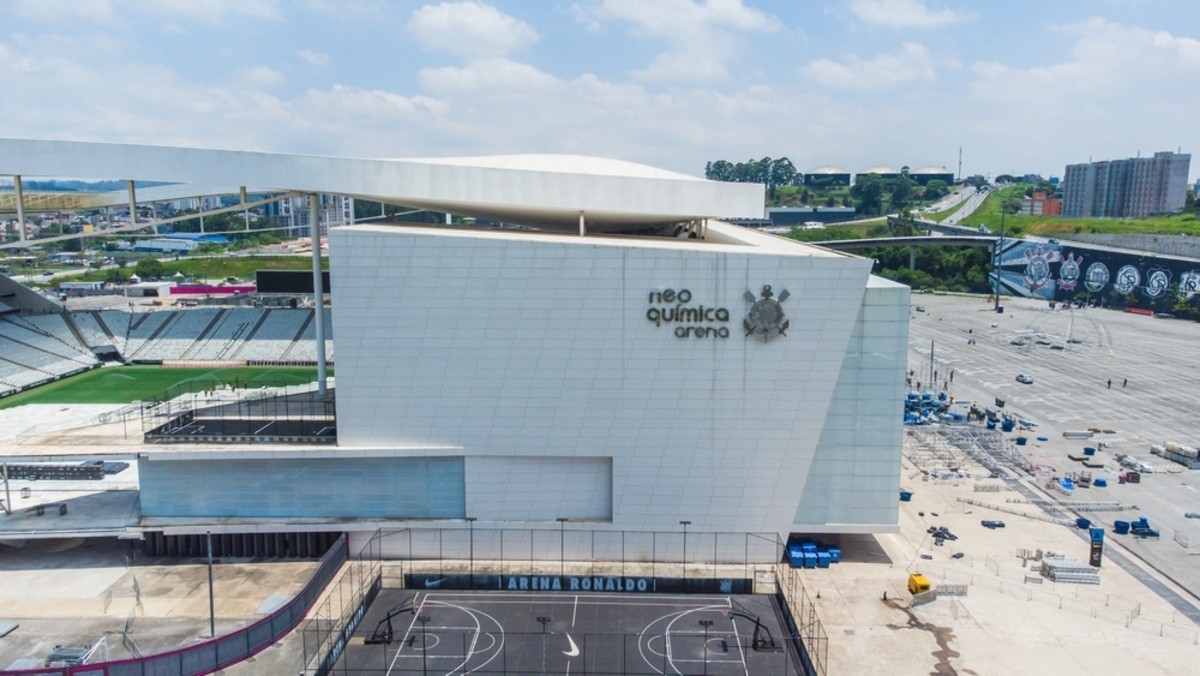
x: 123, y: 384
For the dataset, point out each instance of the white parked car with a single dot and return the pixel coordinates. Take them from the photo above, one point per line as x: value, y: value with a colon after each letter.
x: 1025, y: 378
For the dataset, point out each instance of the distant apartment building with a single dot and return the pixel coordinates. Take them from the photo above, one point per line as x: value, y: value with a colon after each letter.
x: 1041, y: 205
x: 1130, y: 188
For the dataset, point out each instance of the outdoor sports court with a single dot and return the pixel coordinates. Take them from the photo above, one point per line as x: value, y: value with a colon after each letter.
x: 445, y: 632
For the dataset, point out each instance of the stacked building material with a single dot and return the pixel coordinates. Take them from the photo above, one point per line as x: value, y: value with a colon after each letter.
x: 1069, y: 571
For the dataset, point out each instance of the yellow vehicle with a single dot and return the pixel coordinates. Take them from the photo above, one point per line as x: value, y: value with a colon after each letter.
x: 918, y: 583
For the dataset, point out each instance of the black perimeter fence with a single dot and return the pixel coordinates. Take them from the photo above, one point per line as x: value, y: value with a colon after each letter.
x: 211, y: 655
x: 553, y: 558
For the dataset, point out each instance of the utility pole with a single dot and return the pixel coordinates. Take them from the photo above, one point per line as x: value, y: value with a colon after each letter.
x: 999, y: 251
x: 212, y: 617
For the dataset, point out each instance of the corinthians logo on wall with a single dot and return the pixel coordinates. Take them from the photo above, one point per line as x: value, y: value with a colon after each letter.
x: 765, y: 318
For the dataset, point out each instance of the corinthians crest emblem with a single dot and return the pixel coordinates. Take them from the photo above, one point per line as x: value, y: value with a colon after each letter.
x: 1068, y: 272
x: 765, y: 317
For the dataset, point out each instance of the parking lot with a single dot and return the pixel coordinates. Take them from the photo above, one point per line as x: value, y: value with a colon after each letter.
x: 1131, y: 377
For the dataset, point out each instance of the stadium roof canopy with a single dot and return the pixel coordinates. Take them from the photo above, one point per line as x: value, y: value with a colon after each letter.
x: 543, y: 191
x: 882, y: 171
x: 828, y: 170
x: 932, y: 170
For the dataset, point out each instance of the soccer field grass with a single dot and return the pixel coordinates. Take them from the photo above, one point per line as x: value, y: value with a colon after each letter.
x: 123, y: 384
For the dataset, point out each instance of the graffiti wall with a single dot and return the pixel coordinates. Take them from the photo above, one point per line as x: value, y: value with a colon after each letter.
x: 1055, y: 271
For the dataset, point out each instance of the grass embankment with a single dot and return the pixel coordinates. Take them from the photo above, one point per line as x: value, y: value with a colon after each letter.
x: 124, y: 384
x: 1049, y: 226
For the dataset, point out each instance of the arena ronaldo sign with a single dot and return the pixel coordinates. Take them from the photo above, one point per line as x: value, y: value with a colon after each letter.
x: 578, y: 583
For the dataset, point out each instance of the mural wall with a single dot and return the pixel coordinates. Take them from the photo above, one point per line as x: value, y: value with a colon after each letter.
x: 1060, y: 272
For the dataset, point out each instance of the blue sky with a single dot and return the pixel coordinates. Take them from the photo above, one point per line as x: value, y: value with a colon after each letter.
x: 1020, y: 86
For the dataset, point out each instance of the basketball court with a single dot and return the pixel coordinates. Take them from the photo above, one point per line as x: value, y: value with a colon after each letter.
x: 443, y: 632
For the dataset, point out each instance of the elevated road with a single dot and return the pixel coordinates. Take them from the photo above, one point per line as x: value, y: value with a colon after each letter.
x: 912, y: 240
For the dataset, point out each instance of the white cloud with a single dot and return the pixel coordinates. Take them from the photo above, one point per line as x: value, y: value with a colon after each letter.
x: 495, y: 75
x: 256, y: 77
x: 113, y: 12
x: 1119, y: 91
x: 95, y: 11
x: 911, y: 64
x: 1108, y: 60
x: 469, y: 29
x: 702, y: 37
x: 313, y: 58
x: 209, y: 11
x: 671, y: 18
x: 904, y: 14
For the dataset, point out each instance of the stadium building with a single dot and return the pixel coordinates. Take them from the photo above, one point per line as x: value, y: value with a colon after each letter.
x: 617, y: 356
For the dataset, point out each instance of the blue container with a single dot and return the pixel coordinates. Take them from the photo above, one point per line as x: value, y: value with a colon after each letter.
x: 1100, y: 483
x: 1082, y: 523
x: 808, y: 547
x: 991, y: 424
x: 1021, y: 441
x: 1121, y: 527
x: 905, y: 496
x: 823, y: 559
x: 1089, y: 450
x: 1006, y: 425
x: 835, y: 554
x: 810, y: 559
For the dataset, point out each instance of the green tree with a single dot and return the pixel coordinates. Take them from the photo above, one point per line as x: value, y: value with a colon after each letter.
x: 935, y: 189
x: 902, y: 195
x: 150, y: 268
x: 869, y: 193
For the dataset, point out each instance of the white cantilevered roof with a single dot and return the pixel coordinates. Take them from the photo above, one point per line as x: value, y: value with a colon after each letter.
x: 538, y: 190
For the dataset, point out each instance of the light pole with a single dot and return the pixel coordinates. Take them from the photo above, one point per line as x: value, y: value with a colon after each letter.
x: 706, y: 624
x: 544, y: 620
x: 212, y: 617
x: 999, y: 246
x: 685, y: 524
x: 424, y: 620
x: 471, y: 550
x: 562, y: 548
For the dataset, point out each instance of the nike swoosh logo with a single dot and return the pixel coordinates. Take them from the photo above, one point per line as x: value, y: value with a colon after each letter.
x: 434, y: 583
x: 574, y: 651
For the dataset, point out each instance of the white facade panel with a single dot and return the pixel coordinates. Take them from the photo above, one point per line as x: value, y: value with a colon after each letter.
x: 540, y: 488
x: 509, y: 344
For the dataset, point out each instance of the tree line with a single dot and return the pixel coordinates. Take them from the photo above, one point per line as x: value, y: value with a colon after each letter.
x: 772, y: 173
x: 871, y: 195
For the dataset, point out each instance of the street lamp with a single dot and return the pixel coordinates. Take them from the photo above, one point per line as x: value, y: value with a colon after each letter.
x: 706, y: 624
x: 424, y: 620
x: 999, y: 246
x: 544, y: 620
x: 471, y: 554
x: 685, y: 524
x: 212, y: 615
x: 562, y: 548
